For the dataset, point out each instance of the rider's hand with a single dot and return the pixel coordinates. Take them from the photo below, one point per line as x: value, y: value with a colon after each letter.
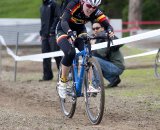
x: 72, y: 35
x: 111, y: 33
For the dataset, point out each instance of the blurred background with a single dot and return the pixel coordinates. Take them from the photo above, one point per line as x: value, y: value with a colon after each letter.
x: 20, y: 24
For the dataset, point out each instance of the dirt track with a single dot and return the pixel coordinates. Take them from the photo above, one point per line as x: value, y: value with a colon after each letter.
x: 32, y: 105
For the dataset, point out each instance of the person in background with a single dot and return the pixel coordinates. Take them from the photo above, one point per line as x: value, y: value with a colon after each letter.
x: 111, y: 60
x: 49, y: 12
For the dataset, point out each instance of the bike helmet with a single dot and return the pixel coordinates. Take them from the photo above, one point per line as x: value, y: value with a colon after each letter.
x: 93, y: 2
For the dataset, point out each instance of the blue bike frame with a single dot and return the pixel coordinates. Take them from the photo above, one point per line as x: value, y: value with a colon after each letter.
x: 78, y: 79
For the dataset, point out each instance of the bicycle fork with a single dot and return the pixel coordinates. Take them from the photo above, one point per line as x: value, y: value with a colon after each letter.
x: 78, y: 79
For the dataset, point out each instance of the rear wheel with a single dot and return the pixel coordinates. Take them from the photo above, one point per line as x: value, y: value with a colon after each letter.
x: 94, y: 100
x: 157, y: 65
x: 68, y: 105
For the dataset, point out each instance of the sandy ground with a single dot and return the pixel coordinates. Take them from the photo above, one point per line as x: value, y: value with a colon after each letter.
x: 28, y: 104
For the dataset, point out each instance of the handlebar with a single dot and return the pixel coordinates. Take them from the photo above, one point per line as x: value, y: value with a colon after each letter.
x: 87, y: 38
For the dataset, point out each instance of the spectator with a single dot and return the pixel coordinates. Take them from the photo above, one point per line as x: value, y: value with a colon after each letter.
x: 110, y: 59
x: 49, y: 17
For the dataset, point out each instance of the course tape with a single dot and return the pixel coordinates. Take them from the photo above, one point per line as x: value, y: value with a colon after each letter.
x: 142, y: 22
x: 129, y: 39
x: 142, y: 54
x: 126, y: 40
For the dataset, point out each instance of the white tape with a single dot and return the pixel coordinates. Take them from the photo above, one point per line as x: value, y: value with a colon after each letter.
x: 126, y: 40
x: 129, y: 39
x: 10, y: 52
x: 142, y: 54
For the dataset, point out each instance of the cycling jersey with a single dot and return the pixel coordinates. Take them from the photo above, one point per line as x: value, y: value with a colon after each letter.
x: 74, y: 19
x: 73, y: 16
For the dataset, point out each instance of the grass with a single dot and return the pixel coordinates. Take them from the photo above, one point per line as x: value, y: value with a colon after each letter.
x: 19, y: 8
x: 126, y: 50
x: 137, y: 83
x: 144, y: 61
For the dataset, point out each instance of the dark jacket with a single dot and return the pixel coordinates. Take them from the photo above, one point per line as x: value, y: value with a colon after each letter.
x: 49, y: 17
x: 113, y: 54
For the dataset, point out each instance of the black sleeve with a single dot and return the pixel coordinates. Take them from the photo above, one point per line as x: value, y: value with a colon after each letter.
x: 102, y: 19
x: 56, y: 12
x: 66, y: 16
x: 106, y: 25
x: 40, y: 10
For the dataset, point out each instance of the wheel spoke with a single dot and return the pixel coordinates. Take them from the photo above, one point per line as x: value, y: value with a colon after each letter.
x: 94, y: 100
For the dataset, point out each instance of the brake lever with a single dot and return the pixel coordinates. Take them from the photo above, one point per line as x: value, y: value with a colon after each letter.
x: 110, y: 39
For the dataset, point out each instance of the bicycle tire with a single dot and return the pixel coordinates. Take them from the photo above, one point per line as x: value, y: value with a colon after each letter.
x: 157, y: 65
x: 68, y: 105
x: 94, y: 113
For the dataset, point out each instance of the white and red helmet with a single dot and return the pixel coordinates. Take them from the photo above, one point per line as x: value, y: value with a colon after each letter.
x: 93, y: 2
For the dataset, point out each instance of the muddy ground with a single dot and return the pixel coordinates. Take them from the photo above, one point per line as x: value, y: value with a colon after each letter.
x: 28, y: 104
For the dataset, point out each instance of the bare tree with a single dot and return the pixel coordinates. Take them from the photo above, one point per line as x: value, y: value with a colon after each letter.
x: 134, y: 14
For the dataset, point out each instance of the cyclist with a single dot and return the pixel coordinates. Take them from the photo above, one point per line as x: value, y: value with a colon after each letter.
x: 74, y: 17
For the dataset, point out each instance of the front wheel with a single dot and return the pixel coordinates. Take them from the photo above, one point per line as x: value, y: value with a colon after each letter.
x: 95, y: 97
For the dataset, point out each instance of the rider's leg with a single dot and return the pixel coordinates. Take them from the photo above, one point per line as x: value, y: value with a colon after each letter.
x: 69, y: 54
x: 65, y: 72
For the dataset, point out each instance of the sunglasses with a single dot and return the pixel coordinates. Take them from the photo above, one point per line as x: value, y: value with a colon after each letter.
x: 96, y: 28
x: 90, y: 6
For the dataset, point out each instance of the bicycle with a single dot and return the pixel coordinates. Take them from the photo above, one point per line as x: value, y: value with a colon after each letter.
x: 157, y: 65
x: 78, y: 79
